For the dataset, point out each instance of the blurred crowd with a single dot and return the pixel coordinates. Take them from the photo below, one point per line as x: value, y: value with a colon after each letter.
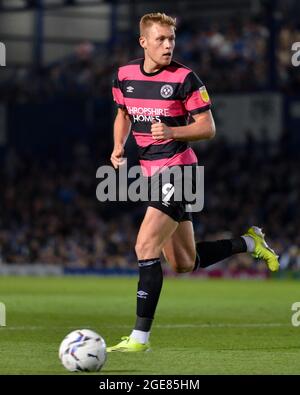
x: 229, y: 57
x: 254, y: 184
x: 49, y: 212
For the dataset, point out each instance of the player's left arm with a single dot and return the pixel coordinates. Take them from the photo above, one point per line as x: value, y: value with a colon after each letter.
x: 202, y: 129
x: 197, y: 103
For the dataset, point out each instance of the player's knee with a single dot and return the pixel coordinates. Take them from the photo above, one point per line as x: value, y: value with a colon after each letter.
x: 184, y: 267
x: 145, y: 247
x: 140, y: 246
x: 184, y: 262
x: 180, y: 263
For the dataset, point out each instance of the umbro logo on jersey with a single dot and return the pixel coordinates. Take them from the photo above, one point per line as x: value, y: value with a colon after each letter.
x: 129, y: 89
x: 166, y: 91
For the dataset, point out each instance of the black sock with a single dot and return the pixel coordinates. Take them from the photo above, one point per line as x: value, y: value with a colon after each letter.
x: 210, y: 252
x: 149, y: 287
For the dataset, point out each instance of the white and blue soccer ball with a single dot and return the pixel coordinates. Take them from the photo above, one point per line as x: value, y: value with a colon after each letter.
x: 83, y: 350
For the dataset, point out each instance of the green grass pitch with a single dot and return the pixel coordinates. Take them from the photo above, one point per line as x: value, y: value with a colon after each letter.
x: 201, y: 326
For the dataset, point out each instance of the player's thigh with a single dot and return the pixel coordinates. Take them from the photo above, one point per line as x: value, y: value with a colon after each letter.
x: 179, y: 250
x: 156, y: 228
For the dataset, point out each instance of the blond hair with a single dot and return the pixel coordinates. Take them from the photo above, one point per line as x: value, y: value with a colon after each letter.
x: 156, y: 17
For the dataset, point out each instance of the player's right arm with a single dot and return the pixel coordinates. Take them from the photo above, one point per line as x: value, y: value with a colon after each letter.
x: 121, y: 125
x: 121, y: 131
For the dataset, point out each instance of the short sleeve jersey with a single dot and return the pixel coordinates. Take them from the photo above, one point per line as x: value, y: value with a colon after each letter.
x: 170, y: 95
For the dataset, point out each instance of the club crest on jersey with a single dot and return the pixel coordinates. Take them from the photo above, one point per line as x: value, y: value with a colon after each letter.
x: 204, y: 94
x: 166, y: 91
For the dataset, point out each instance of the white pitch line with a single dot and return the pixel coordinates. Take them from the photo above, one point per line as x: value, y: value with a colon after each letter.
x: 251, y: 325
x: 164, y: 326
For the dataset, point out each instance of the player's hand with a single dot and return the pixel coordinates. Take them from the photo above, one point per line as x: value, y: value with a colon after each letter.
x: 160, y: 131
x: 117, y: 157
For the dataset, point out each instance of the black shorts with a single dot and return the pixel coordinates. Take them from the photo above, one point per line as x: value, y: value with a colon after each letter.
x: 169, y: 196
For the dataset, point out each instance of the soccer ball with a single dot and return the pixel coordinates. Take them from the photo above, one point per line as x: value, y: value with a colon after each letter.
x: 83, y: 350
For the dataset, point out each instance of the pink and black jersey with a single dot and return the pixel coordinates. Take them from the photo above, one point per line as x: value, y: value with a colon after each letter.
x: 169, y: 95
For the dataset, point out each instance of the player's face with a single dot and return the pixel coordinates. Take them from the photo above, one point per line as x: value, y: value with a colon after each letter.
x: 159, y: 43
